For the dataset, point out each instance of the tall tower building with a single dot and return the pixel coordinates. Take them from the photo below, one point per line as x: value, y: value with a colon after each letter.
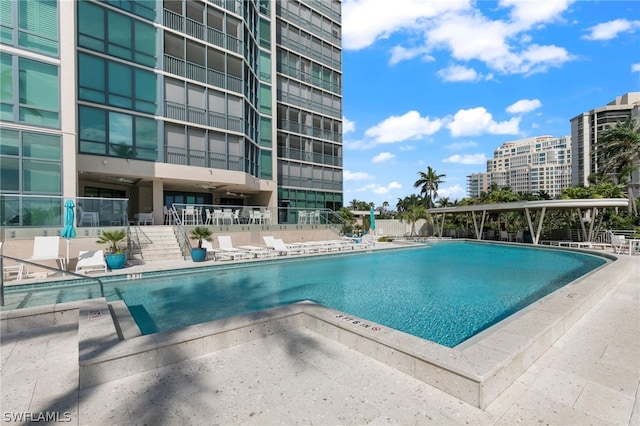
x: 531, y: 165
x: 234, y: 102
x: 586, y: 129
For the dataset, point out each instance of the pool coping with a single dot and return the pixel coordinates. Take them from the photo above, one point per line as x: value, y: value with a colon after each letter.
x: 476, y: 371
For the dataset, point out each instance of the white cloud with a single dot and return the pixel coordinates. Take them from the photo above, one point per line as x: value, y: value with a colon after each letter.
x: 382, y: 157
x: 504, y: 45
x: 365, y: 21
x: 466, y: 159
x: 380, y: 189
x: 454, y: 192
x: 457, y: 146
x: 456, y: 73
x: 611, y: 29
x: 635, y: 67
x: 408, y: 126
x: 348, y: 175
x: 399, y: 54
x: 476, y: 121
x: 529, y: 13
x: 523, y: 106
x: 348, y: 125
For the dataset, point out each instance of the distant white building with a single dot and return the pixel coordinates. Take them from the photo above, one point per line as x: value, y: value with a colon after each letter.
x: 586, y: 128
x: 531, y: 165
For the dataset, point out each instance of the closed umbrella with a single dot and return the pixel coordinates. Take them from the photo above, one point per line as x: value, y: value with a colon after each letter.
x: 372, y: 220
x: 69, y: 230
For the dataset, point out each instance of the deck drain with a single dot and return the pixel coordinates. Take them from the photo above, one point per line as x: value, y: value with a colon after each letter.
x: 572, y: 295
x: 95, y: 314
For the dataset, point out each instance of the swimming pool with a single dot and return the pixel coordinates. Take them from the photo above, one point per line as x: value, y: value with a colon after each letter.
x: 445, y: 293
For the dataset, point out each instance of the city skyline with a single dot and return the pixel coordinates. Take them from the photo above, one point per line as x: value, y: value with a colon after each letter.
x: 418, y: 91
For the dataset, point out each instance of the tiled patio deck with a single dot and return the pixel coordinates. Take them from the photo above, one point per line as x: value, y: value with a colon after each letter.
x: 591, y: 375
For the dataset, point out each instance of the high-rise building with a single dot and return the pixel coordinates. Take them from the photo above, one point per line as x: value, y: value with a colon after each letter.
x: 532, y: 165
x: 222, y: 102
x: 586, y: 129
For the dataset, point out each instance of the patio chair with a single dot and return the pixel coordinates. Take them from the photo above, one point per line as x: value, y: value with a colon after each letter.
x: 619, y: 244
x: 10, y: 270
x: 282, y: 248
x: 209, y: 247
x: 47, y: 248
x: 227, y: 249
x: 92, y: 260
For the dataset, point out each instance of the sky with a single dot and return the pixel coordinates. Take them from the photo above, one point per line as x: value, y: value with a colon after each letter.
x: 443, y: 83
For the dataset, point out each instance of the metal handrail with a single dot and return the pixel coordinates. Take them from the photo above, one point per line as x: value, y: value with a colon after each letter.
x: 3, y: 256
x: 177, y: 221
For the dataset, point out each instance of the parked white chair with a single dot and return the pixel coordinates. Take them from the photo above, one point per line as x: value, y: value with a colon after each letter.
x: 619, y: 244
x: 47, y: 248
x: 519, y: 236
x: 282, y: 248
x: 209, y: 247
x: 228, y: 250
x: 504, y: 236
x: 10, y: 270
x: 227, y: 217
x: 209, y: 217
x: 91, y: 261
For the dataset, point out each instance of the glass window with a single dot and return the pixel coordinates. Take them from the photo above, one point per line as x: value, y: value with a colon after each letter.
x: 146, y: 139
x: 9, y: 174
x: 266, y: 169
x: 41, y: 176
x: 6, y: 22
x: 120, y: 135
x: 37, y: 145
x: 265, y: 131
x: 38, y: 25
x: 145, y: 91
x: 9, y: 142
x: 39, y: 93
x: 145, y: 43
x: 91, y: 78
x: 120, y: 85
x: 92, y: 127
x: 91, y: 29
x: 120, y: 35
x: 265, y: 66
x: 265, y: 99
x: 6, y: 87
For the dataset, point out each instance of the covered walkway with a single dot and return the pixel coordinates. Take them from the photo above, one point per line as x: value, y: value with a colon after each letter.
x: 531, y: 209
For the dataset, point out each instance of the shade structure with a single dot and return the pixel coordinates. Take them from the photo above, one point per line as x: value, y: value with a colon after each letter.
x: 69, y: 230
x: 372, y: 220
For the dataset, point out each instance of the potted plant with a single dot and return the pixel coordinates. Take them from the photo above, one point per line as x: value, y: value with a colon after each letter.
x: 115, y: 257
x: 199, y: 233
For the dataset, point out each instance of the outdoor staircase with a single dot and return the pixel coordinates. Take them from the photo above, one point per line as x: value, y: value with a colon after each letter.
x: 154, y: 243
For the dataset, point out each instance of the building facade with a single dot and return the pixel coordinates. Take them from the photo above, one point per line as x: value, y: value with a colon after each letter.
x: 586, y: 129
x: 533, y: 165
x: 218, y: 102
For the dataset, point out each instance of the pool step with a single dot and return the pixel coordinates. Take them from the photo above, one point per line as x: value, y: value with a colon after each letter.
x: 155, y: 243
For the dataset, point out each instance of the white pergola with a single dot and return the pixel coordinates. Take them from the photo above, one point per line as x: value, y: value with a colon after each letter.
x: 479, y: 212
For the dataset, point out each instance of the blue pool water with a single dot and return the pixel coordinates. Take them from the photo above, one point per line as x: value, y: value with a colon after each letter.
x: 445, y: 293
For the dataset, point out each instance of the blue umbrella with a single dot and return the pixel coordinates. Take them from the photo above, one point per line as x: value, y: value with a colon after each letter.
x: 372, y: 220
x: 69, y: 231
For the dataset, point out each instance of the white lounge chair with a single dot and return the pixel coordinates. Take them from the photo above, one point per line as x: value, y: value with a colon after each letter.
x: 92, y: 260
x: 228, y: 250
x: 282, y: 248
x: 47, y: 248
x: 209, y: 247
x: 259, y: 252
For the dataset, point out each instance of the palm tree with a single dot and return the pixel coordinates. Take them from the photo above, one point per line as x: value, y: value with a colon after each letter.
x: 620, y: 147
x: 414, y: 213
x: 428, y: 184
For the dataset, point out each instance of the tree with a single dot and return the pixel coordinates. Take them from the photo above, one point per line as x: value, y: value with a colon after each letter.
x: 414, y: 213
x: 412, y: 200
x: 428, y: 184
x: 620, y: 148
